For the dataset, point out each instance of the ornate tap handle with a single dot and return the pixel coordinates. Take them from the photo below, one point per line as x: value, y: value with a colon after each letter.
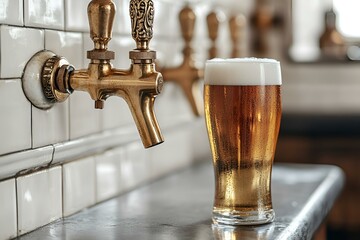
x: 142, y: 20
x: 101, y: 17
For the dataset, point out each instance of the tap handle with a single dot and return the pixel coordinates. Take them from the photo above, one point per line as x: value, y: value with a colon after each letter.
x: 101, y: 17
x: 187, y: 19
x: 142, y: 20
x: 213, y: 22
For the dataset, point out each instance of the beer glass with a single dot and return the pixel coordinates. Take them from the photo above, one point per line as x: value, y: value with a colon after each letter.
x: 242, y: 112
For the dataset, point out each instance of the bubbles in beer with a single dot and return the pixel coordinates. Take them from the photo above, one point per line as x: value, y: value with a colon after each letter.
x: 243, y: 124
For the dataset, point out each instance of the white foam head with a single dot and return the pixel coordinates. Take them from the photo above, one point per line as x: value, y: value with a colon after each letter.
x: 242, y: 71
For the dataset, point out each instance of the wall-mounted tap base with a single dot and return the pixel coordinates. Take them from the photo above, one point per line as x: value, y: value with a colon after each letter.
x: 31, y: 80
x: 39, y: 79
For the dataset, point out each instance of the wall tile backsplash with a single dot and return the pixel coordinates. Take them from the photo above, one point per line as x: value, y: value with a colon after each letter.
x: 79, y: 178
x: 44, y: 14
x: 8, y: 217
x: 15, y: 124
x: 16, y: 49
x: 11, y: 12
x: 55, y: 162
x: 39, y: 199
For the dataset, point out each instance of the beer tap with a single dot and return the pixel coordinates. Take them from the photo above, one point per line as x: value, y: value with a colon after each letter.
x: 138, y: 86
x: 187, y: 74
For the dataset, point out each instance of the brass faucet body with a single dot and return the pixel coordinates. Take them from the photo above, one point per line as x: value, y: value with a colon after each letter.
x: 138, y: 86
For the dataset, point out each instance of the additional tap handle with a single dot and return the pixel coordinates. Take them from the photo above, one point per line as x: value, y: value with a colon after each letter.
x: 101, y: 17
x: 187, y: 19
x: 213, y: 22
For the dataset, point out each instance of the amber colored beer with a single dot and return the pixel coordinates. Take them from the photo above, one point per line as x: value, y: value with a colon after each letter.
x: 243, y: 123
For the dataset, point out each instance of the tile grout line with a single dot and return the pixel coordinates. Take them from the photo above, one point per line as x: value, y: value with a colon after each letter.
x: 17, y: 207
x: 62, y: 191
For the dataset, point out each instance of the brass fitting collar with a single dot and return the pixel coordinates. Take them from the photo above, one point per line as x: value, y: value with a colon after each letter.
x: 142, y: 55
x: 100, y: 54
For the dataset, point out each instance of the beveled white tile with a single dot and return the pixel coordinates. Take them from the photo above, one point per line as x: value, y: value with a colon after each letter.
x: 8, y: 217
x: 16, y: 38
x: 84, y: 118
x: 79, y: 185
x: 176, y: 152
x: 108, y: 166
x: 11, y: 12
x: 76, y: 15
x: 50, y: 126
x: 39, y: 199
x: 135, y: 165
x: 44, y: 13
x: 15, y: 123
x: 66, y: 44
x: 11, y: 164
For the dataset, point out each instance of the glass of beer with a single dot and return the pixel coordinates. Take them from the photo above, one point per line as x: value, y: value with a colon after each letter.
x: 242, y: 112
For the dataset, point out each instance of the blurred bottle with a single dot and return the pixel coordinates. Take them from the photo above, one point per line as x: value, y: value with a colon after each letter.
x: 331, y: 42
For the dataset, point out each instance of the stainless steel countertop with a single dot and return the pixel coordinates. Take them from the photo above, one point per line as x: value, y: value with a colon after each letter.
x: 179, y: 207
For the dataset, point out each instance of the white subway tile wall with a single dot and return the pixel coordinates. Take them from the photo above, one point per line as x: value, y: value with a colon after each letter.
x: 108, y: 169
x: 11, y: 12
x: 15, y: 120
x: 76, y: 15
x: 79, y: 181
x: 42, y: 196
x: 44, y: 14
x: 18, y: 45
x: 24, y: 160
x: 39, y: 199
x: 8, y: 217
x: 84, y: 118
x: 68, y: 44
x: 50, y: 126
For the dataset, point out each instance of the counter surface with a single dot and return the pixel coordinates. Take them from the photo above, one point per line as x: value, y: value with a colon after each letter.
x: 179, y: 207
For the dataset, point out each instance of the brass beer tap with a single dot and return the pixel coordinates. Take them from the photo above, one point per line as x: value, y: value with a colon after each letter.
x: 187, y: 74
x: 138, y: 86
